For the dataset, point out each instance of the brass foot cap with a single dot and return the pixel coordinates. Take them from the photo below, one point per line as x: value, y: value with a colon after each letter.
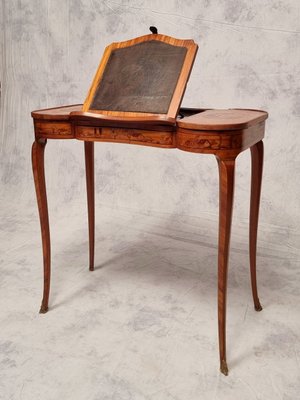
x: 258, y: 307
x: 43, y: 309
x: 224, y: 368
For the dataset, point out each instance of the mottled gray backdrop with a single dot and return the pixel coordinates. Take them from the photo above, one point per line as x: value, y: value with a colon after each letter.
x: 249, y: 56
x: 143, y: 326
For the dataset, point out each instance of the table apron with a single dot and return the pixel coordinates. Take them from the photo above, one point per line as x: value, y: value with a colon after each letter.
x: 229, y: 142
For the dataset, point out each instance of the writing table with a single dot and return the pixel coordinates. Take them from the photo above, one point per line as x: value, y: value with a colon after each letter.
x: 222, y: 133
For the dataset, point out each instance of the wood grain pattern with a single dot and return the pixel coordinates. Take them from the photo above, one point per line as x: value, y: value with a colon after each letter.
x: 53, y: 130
x: 64, y: 112
x: 219, y: 142
x: 38, y: 149
x: 90, y: 190
x: 223, y: 120
x: 257, y: 155
x: 79, y: 117
x: 121, y: 135
x: 191, y: 50
x: 56, y: 113
x: 226, y: 190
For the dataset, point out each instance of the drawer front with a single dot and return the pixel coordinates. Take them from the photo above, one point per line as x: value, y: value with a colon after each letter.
x: 53, y: 130
x: 219, y: 142
x: 122, y: 135
x: 201, y: 142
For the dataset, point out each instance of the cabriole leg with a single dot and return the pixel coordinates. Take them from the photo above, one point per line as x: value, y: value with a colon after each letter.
x: 226, y: 191
x: 90, y: 188
x: 257, y: 154
x: 38, y: 149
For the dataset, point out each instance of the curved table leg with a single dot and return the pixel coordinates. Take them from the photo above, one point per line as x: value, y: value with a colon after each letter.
x: 90, y: 188
x: 38, y: 149
x: 257, y: 154
x: 226, y: 176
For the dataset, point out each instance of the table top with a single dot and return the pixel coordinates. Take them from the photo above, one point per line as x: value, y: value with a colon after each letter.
x: 223, y: 119
x: 204, y: 119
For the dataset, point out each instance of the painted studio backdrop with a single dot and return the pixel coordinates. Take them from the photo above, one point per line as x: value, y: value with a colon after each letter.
x: 155, y: 209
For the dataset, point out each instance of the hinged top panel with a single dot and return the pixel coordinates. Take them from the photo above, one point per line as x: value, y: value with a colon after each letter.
x: 145, y: 76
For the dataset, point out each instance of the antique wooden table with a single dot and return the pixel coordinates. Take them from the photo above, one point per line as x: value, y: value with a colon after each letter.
x: 135, y: 98
x: 224, y: 133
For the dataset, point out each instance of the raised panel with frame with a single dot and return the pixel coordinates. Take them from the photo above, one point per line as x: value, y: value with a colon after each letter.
x: 142, y: 77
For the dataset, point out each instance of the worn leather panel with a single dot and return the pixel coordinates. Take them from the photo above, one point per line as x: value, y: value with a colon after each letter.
x: 140, y: 78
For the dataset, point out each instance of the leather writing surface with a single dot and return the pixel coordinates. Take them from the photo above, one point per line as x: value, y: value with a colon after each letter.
x: 140, y: 78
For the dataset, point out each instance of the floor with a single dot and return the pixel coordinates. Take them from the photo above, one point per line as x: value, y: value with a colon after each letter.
x: 143, y: 324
